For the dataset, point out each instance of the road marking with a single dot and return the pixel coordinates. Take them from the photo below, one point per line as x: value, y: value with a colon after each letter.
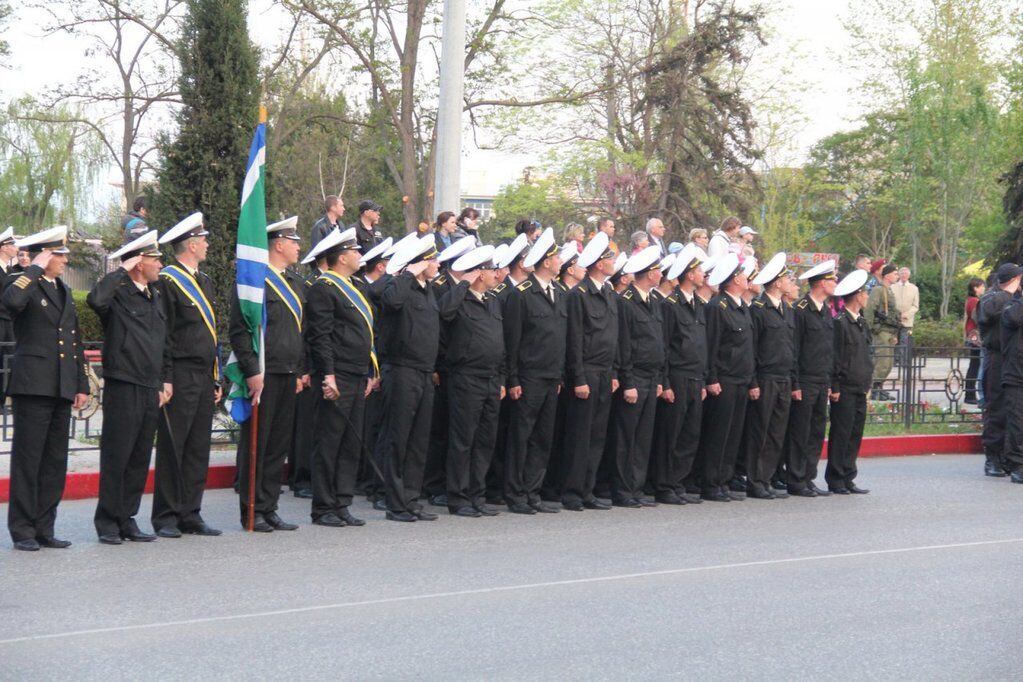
x: 502, y: 588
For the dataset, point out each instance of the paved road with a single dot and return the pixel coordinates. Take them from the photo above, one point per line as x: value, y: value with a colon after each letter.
x: 919, y: 580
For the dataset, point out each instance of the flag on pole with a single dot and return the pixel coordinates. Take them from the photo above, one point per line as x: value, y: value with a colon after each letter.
x: 250, y: 265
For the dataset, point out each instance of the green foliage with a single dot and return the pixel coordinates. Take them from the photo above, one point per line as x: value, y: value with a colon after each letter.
x: 545, y: 200
x: 927, y: 278
x: 946, y: 333
x: 204, y: 166
x: 88, y: 321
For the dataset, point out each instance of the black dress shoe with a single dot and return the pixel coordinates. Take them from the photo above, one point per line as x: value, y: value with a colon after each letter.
x: 856, y: 490
x: 993, y: 469
x: 737, y: 484
x: 401, y: 516
x: 278, y: 523
x: 759, y: 494
x: 330, y: 520
x: 630, y: 503
x: 110, y: 538
x: 573, y: 505
x: 131, y: 532
x: 779, y: 484
x: 168, y: 532
x: 468, y: 512
x: 596, y: 503
x: 780, y: 494
x: 423, y: 515
x: 690, y: 498
x: 802, y: 492
x: 29, y: 545
x: 439, y: 500
x: 304, y: 493
x: 521, y: 508
x: 820, y: 492
x: 1016, y: 476
x: 53, y: 543
x: 347, y: 517
x: 669, y: 498
x: 259, y: 524
x: 646, y: 502
x: 715, y: 496
x: 838, y: 490
x: 201, y: 529
x: 380, y: 505
x: 486, y: 510
x: 733, y: 495
x: 544, y: 508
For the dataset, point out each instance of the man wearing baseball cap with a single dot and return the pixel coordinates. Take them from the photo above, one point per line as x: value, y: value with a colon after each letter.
x: 366, y: 232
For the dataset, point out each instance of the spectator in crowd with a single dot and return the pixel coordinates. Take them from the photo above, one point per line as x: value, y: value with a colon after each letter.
x: 24, y: 260
x: 574, y: 232
x: 746, y: 236
x: 655, y: 231
x: 875, y: 273
x: 468, y: 225
x: 444, y: 229
x: 862, y: 262
x: 699, y: 236
x: 907, y: 302
x: 133, y: 224
x: 333, y: 209
x: 638, y: 241
x: 530, y: 228
x: 724, y: 240
x: 366, y: 232
x: 974, y: 290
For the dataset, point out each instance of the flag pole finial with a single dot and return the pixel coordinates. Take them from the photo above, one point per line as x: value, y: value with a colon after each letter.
x: 262, y: 114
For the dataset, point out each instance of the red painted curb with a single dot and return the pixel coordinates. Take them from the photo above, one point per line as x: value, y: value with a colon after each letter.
x: 84, y: 485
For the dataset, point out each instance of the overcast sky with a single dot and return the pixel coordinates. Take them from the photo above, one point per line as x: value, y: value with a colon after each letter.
x: 806, y: 33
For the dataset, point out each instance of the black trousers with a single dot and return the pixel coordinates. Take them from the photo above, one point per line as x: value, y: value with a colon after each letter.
x: 1013, y: 452
x: 273, y: 442
x: 38, y: 464
x: 634, y: 433
x: 6, y: 355
x: 474, y: 402
x: 405, y: 434
x: 183, y: 450
x: 586, y: 423
x: 767, y: 420
x: 130, y: 416
x: 677, y: 435
x: 339, y: 445
x: 972, y: 371
x: 369, y: 481
x: 435, y: 475
x: 303, y: 442
x: 721, y: 433
x: 995, y: 412
x: 554, y: 479
x: 495, y: 476
x: 530, y: 435
x: 808, y: 419
x: 848, y: 414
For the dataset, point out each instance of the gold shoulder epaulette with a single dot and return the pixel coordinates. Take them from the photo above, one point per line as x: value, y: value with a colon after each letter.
x: 723, y: 303
x: 441, y: 279
x: 627, y: 295
x: 499, y: 288
x: 522, y: 286
x: 22, y: 282
x: 802, y: 304
x: 673, y: 299
x: 758, y: 303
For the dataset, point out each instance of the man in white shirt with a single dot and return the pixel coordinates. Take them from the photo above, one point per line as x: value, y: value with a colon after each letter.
x: 721, y: 242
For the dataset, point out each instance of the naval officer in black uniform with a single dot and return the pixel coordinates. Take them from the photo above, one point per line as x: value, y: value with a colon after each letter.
x: 850, y: 383
x: 8, y: 266
x: 191, y: 384
x: 128, y: 304
x: 277, y: 386
x: 47, y: 381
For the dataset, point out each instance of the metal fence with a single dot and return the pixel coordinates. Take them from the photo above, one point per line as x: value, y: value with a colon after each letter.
x: 925, y: 386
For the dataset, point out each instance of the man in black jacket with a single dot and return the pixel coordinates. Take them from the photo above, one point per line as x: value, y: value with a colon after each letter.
x: 8, y: 266
x: 767, y: 417
x: 591, y: 352
x: 730, y: 375
x: 814, y: 351
x: 989, y: 322
x: 475, y: 359
x: 341, y: 345
x: 333, y: 209
x: 274, y: 389
x: 47, y: 382
x: 191, y: 385
x: 535, y: 325
x: 366, y: 232
x: 134, y: 331
x: 1012, y: 387
x: 685, y: 343
x: 411, y: 331
x: 641, y: 371
x: 850, y: 383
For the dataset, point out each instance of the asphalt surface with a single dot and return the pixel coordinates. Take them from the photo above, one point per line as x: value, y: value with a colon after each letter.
x: 918, y: 580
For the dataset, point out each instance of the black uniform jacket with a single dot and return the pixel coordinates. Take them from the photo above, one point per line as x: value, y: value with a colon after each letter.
x: 773, y: 339
x: 285, y: 352
x: 535, y: 329
x: 49, y: 358
x: 1012, y: 343
x: 989, y: 318
x: 730, y: 341
x: 410, y: 324
x: 474, y: 331
x: 338, y: 335
x: 189, y: 343
x: 442, y: 284
x: 854, y: 360
x: 640, y: 339
x: 592, y: 341
x: 815, y: 342
x: 685, y: 335
x: 134, y: 329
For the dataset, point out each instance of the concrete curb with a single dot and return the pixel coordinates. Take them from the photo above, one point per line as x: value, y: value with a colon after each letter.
x: 85, y: 484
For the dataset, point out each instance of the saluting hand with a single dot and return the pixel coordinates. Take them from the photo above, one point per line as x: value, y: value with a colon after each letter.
x: 43, y: 259
x: 129, y: 265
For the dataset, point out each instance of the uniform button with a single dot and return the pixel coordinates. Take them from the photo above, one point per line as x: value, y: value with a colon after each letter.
x: 59, y: 329
x: 61, y: 355
x: 61, y: 342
